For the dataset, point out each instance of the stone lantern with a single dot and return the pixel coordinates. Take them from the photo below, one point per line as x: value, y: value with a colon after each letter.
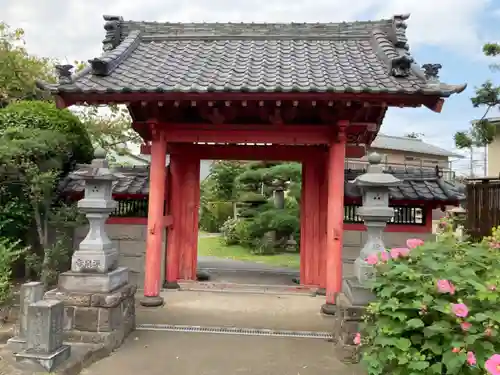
x: 96, y: 252
x: 99, y: 302
x: 375, y: 212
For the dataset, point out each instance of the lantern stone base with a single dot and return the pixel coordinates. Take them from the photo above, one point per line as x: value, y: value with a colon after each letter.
x: 356, y: 293
x: 350, y: 308
x: 94, y: 282
x: 97, y: 317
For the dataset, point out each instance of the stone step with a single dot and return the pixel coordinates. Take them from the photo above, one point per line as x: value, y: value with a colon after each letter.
x: 246, y: 288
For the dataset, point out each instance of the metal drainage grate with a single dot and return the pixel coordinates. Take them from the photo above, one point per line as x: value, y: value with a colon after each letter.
x: 234, y: 331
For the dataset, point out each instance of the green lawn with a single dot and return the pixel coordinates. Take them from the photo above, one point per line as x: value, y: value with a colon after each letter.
x: 213, y: 246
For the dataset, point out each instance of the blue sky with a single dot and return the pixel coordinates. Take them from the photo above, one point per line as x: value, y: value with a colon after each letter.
x: 449, y: 32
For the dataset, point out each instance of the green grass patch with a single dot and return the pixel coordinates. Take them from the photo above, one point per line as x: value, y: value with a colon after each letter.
x: 213, y: 246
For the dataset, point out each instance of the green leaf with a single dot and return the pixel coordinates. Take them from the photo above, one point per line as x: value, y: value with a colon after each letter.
x: 418, y: 365
x: 437, y: 328
x: 480, y: 317
x: 415, y: 323
x: 403, y: 344
x: 436, y: 368
x: 433, y: 346
x: 454, y: 362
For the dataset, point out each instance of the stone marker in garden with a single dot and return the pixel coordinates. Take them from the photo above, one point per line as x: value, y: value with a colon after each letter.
x: 375, y: 212
x: 30, y: 292
x: 98, y: 297
x: 44, y: 335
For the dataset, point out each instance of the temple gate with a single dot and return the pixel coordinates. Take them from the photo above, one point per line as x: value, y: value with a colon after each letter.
x: 315, y: 93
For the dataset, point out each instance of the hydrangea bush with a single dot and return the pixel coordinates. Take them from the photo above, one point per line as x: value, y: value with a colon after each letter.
x: 437, y: 309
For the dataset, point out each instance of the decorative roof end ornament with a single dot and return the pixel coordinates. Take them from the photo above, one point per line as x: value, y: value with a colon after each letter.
x: 64, y: 73
x: 431, y: 71
x: 113, y: 32
x: 397, y: 33
x: 401, y: 66
x: 99, y: 67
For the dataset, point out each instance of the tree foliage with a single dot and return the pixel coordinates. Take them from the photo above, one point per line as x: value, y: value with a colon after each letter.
x: 263, y: 224
x: 19, y: 69
x: 38, y: 145
x: 414, y: 135
x: 481, y: 132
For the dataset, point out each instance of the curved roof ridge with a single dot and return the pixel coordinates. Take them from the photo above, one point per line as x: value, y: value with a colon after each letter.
x: 330, y: 30
x: 99, y: 66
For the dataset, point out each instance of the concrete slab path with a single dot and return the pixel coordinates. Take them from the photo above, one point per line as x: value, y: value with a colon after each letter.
x: 172, y: 353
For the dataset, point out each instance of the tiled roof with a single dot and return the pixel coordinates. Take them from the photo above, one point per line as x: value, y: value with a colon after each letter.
x: 389, y: 142
x: 355, y: 57
x: 134, y: 180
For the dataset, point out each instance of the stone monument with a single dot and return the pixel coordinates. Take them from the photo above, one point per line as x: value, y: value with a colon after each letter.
x: 375, y: 212
x: 99, y: 303
x: 30, y: 293
x: 44, y: 335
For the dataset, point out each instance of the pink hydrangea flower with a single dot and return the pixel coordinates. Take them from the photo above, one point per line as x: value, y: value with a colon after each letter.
x: 395, y: 253
x: 372, y: 259
x: 492, y: 365
x: 384, y: 255
x: 445, y: 286
x: 465, y: 326
x: 460, y: 310
x: 414, y: 242
x: 399, y: 252
x: 456, y: 350
x: 357, y: 339
x: 495, y: 245
x: 471, y: 359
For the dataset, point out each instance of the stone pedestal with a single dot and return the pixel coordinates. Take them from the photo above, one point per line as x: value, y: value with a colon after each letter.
x: 348, y: 316
x: 97, y: 317
x: 94, y: 282
x: 44, y: 341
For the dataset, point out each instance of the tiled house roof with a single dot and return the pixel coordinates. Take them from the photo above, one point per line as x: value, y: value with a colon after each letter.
x: 347, y: 57
x: 405, y: 144
x: 416, y: 186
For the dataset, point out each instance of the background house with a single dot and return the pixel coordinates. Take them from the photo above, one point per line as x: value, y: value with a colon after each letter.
x: 493, y: 151
x: 131, y: 159
x: 405, y: 152
x: 397, y: 152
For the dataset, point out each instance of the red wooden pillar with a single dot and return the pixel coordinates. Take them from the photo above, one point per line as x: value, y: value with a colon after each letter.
x: 174, y: 235
x: 310, y: 239
x: 155, y: 229
x: 182, y: 251
x: 323, y: 212
x: 305, y: 273
x: 195, y: 211
x: 335, y: 217
x: 188, y: 247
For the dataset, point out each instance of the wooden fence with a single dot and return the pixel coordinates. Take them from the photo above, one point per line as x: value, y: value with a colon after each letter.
x: 403, y: 215
x: 483, y: 206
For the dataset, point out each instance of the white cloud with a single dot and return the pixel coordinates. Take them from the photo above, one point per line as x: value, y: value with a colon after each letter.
x: 73, y: 29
